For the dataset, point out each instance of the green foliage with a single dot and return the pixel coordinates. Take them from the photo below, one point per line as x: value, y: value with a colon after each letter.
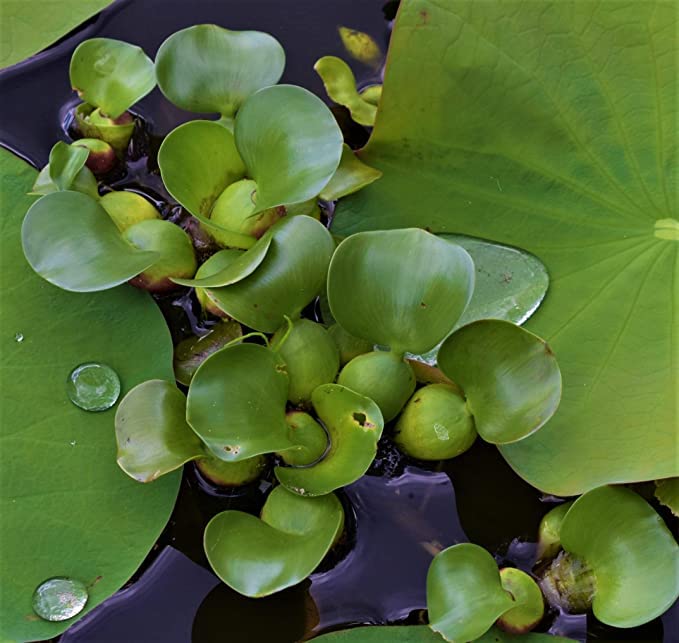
x: 538, y: 141
x: 350, y: 176
x: 259, y: 557
x: 65, y: 163
x: 67, y: 508
x: 111, y: 75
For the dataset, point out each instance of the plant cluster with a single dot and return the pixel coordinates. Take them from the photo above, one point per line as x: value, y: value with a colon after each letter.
x: 270, y: 382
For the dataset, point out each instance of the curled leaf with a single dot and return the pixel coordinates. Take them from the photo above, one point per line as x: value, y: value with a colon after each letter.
x: 65, y: 163
x: 351, y: 176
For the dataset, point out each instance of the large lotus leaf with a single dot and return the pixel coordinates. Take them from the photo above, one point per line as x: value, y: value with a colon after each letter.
x: 236, y: 402
x: 290, y: 143
x: 464, y: 593
x: 405, y: 289
x: 67, y: 509
x: 236, y: 270
x: 111, y: 74
x: 28, y: 27
x: 291, y: 275
x: 151, y: 431
x: 423, y: 634
x: 634, y: 556
x: 509, y: 376
x: 66, y: 161
x: 70, y: 241
x: 197, y: 161
x: 207, y: 68
x: 553, y: 130
x: 354, y: 425
x: 259, y: 557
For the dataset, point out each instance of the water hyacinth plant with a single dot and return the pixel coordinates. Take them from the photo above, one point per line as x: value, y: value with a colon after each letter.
x: 315, y: 340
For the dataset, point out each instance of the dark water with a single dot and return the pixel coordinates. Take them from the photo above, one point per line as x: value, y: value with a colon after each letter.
x: 401, y: 514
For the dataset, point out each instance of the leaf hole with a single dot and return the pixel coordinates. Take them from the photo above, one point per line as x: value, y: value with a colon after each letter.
x: 360, y: 418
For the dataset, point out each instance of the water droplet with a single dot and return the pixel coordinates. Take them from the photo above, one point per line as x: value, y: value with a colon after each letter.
x: 93, y: 386
x: 58, y: 599
x: 19, y: 337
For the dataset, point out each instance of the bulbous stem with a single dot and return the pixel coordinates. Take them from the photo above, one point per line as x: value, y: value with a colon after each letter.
x: 569, y: 583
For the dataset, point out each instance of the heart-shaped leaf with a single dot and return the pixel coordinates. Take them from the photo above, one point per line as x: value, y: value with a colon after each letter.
x: 354, y: 424
x: 242, y: 266
x: 289, y: 142
x: 382, y: 634
x: 404, y: 289
x: 350, y: 176
x: 111, y: 75
x: 151, y: 431
x: 551, y: 152
x: 66, y: 161
x: 197, y: 161
x: 206, y: 68
x: 259, y: 557
x: 340, y: 85
x: 633, y: 555
x: 509, y: 376
x: 70, y: 241
x: 67, y: 508
x: 236, y: 402
x: 290, y: 276
x: 464, y: 593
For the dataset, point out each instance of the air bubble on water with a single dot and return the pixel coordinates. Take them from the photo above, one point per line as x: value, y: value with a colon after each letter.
x: 59, y: 598
x: 19, y: 337
x: 93, y: 386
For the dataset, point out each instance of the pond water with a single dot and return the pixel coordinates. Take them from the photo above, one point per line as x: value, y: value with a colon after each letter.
x: 399, y: 515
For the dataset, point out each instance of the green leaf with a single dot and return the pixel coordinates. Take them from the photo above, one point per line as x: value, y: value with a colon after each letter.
x: 530, y: 604
x: 509, y: 376
x: 111, y: 74
x: 536, y: 140
x: 633, y: 555
x: 310, y: 355
x: 496, y: 635
x: 290, y: 276
x: 191, y: 352
x: 66, y: 161
x: 67, y: 509
x: 241, y: 267
x: 405, y: 289
x: 92, y: 123
x: 207, y: 68
x: 351, y: 176
x: 290, y: 143
x: 464, y: 593
x: 309, y: 437
x: 340, y: 85
x: 128, y: 208
x: 151, y: 431
x: 667, y: 493
x: 84, y: 182
x: 70, y: 241
x: 29, y: 27
x: 259, y: 557
x: 197, y: 161
x: 382, y: 634
x: 236, y: 402
x: 361, y: 46
x: 354, y: 424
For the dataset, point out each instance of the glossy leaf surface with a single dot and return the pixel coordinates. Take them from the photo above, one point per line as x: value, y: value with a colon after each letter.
x: 197, y: 161
x: 509, y: 376
x: 464, y: 593
x: 289, y: 142
x: 67, y: 509
x: 65, y: 163
x: 84, y: 182
x: 382, y: 634
x: 151, y: 431
x: 667, y: 493
x: 405, y: 289
x: 111, y: 74
x: 350, y: 176
x: 634, y: 556
x: 236, y: 402
x: 259, y: 557
x: 207, y: 68
x: 70, y: 241
x: 520, y: 82
x: 290, y: 276
x: 354, y: 424
x: 340, y: 85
